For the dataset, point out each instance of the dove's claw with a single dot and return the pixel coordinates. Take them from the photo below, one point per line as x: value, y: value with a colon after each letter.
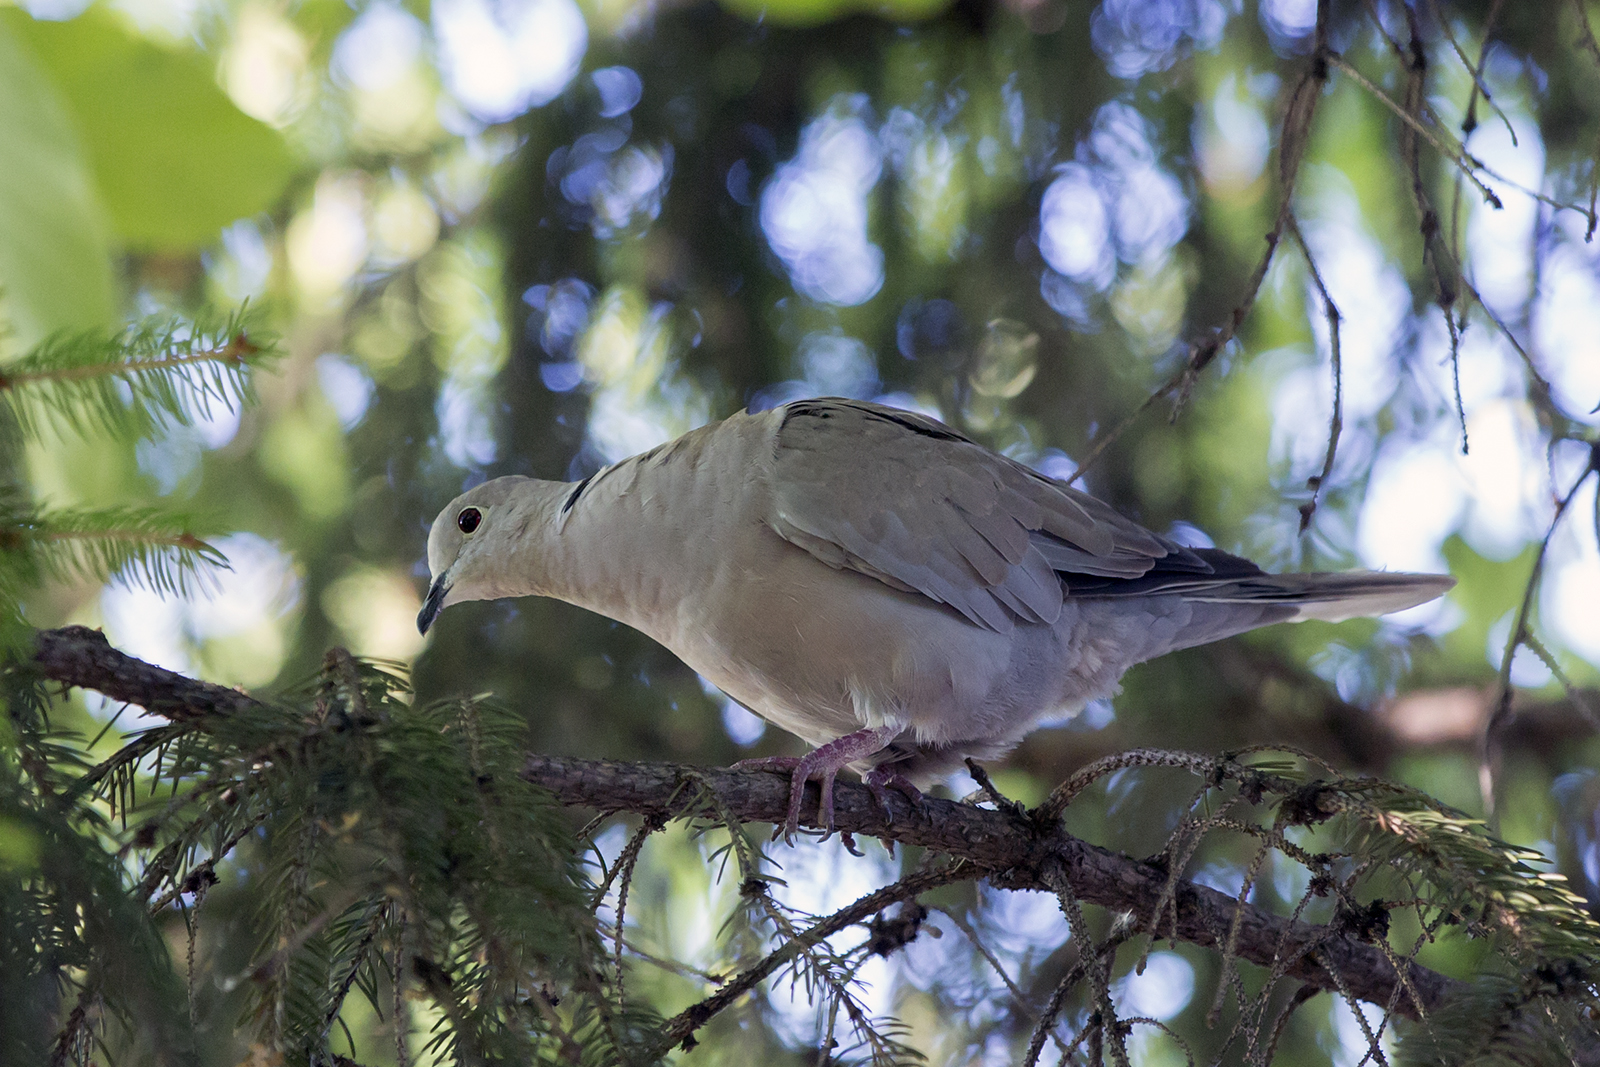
x: 881, y: 780
x: 823, y: 764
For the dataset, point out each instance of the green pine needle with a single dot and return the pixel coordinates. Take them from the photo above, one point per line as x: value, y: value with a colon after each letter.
x: 141, y: 546
x: 151, y: 375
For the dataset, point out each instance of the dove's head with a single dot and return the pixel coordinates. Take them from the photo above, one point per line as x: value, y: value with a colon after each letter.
x: 471, y: 544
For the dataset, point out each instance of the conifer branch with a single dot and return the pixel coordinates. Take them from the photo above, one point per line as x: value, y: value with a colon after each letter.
x: 1489, y: 889
x: 1013, y: 852
x: 1008, y: 848
x: 150, y: 375
x: 80, y: 544
x: 235, y: 351
x: 79, y: 656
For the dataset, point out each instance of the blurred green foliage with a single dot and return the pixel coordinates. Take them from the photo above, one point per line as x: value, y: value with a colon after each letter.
x: 57, y: 256
x: 537, y: 282
x: 172, y: 157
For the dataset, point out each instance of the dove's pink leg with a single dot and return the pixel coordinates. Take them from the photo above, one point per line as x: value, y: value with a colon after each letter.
x: 823, y: 764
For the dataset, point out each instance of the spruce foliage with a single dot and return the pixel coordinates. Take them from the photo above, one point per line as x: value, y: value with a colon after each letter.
x: 385, y: 846
x: 393, y: 872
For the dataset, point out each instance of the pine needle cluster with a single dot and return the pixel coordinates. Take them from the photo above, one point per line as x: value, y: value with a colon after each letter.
x: 376, y: 852
x: 390, y: 856
x: 134, y: 383
x: 339, y: 875
x: 68, y: 912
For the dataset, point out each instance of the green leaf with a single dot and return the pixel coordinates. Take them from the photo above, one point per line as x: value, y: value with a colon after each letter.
x: 175, y: 160
x: 55, y: 263
x: 816, y: 12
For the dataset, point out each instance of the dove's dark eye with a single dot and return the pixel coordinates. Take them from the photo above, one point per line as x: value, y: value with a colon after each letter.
x: 468, y: 519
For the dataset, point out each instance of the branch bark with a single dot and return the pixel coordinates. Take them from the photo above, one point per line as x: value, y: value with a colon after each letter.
x: 1008, y: 848
x: 1012, y: 852
x: 79, y: 656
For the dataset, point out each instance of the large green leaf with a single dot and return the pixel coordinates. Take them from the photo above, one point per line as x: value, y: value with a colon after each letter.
x: 55, y: 269
x: 174, y: 158
x: 816, y: 12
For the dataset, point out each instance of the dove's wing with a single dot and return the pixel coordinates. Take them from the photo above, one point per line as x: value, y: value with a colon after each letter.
x: 907, y: 500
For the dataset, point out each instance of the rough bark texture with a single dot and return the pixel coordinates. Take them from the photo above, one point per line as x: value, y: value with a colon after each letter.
x: 1008, y: 848
x: 1012, y: 853
x: 79, y: 656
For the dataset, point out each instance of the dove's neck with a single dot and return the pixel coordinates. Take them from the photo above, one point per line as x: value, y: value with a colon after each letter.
x: 643, y: 534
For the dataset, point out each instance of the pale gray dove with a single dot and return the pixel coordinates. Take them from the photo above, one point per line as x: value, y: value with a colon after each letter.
x: 870, y: 580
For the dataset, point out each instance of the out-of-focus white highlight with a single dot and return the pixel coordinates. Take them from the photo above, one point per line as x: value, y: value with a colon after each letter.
x: 376, y: 610
x: 327, y: 242
x: 819, y: 879
x: 1415, y: 499
x: 404, y: 225
x: 249, y: 600
x: 1152, y: 214
x: 620, y: 90
x: 1075, y: 228
x: 1353, y: 1048
x: 1570, y: 597
x: 639, y: 400
x: 1505, y: 471
x: 1371, y: 295
x: 1232, y: 140
x: 836, y: 365
x: 346, y: 388
x: 244, y: 266
x: 1500, y: 242
x: 744, y: 727
x: 1566, y: 330
x: 380, y: 58
x: 1022, y: 926
x: 170, y: 20
x: 466, y: 425
x: 379, y: 47
x: 629, y: 193
x: 264, y: 67
x: 1162, y: 991
x: 1113, y: 202
x: 1293, y: 18
x: 814, y: 210
x: 500, y: 59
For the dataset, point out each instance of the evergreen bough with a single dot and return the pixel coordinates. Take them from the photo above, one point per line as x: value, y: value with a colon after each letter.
x: 365, y: 850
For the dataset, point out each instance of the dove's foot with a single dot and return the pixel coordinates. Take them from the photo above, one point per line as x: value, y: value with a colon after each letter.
x: 823, y: 764
x: 880, y: 780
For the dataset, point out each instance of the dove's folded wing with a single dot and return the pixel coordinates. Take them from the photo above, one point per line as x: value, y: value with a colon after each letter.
x: 908, y: 501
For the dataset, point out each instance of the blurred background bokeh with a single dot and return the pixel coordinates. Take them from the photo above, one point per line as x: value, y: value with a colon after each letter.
x: 538, y: 236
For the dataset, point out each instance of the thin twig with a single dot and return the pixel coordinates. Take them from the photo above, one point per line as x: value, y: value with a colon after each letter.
x: 681, y: 1027
x: 1336, y: 419
x: 1488, y: 753
x: 1294, y: 138
x: 1459, y: 156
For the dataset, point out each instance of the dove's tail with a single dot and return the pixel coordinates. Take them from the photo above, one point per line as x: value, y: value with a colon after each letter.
x: 1331, y: 597
x: 1230, y: 579
x: 1239, y: 596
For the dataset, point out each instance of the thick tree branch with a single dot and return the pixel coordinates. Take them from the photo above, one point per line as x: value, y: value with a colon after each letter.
x: 1012, y: 852
x: 79, y: 656
x: 1008, y: 848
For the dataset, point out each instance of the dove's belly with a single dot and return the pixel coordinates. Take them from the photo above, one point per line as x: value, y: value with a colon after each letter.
x: 822, y: 652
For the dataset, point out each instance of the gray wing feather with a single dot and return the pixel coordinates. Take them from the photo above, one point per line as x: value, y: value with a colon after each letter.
x: 907, y: 500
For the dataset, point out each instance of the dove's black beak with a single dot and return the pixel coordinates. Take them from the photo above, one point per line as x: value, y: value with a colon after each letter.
x: 435, y: 602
